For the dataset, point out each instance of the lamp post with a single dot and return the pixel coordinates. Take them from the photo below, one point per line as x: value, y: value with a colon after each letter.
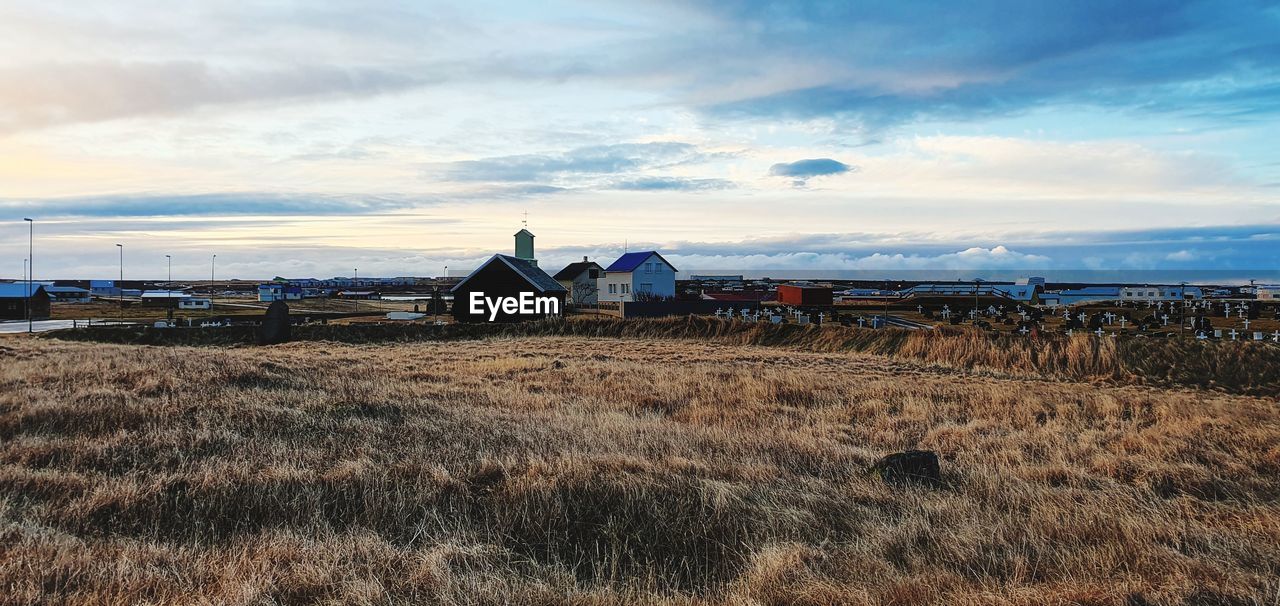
x: 31, y: 265
x: 355, y: 288
x: 120, y: 284
x: 169, y: 285
x: 213, y: 265
x: 976, y: 283
x: 1182, y: 319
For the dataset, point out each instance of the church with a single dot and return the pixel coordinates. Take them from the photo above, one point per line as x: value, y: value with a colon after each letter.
x: 499, y: 289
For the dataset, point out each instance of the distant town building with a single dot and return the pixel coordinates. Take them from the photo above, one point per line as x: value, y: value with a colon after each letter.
x: 1088, y: 294
x: 581, y: 279
x: 1267, y: 292
x: 638, y: 276
x: 194, y: 303
x: 1159, y: 293
x: 68, y: 294
x: 805, y: 295
x: 163, y: 298
x: 279, y: 292
x: 15, y: 297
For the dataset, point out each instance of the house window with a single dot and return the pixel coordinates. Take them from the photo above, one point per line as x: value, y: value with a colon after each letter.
x: 613, y: 289
x: 626, y: 288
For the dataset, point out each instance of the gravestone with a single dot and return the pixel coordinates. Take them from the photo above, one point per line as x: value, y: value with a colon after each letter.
x: 275, y: 325
x: 910, y: 467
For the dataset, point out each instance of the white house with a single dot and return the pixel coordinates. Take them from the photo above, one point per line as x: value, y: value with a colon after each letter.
x: 638, y: 275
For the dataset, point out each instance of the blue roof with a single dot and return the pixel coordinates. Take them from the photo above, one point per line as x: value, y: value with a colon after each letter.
x: 630, y: 261
x: 17, y: 290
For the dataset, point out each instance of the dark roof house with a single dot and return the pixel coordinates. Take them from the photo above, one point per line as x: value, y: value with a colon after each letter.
x: 507, y: 277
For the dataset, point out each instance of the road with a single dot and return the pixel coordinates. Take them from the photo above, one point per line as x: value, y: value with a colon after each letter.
x: 19, y: 326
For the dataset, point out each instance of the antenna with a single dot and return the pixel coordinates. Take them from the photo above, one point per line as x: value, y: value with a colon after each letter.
x: 525, y: 223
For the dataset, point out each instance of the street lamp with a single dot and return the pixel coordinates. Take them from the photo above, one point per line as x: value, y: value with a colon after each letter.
x: 31, y: 265
x: 976, y: 283
x: 1182, y: 317
x: 120, y: 284
x: 169, y: 285
x: 213, y: 265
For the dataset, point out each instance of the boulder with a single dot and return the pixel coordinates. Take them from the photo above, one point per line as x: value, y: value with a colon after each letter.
x: 275, y: 325
x: 910, y: 467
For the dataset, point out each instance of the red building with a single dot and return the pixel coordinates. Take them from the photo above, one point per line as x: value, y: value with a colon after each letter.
x: 805, y: 295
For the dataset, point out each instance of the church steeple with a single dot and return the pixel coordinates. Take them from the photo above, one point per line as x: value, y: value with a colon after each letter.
x: 524, y: 245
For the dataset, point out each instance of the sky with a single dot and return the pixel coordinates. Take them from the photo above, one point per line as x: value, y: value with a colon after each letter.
x: 311, y: 139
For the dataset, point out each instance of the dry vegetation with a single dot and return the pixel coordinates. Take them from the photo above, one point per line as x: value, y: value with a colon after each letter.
x: 598, y: 470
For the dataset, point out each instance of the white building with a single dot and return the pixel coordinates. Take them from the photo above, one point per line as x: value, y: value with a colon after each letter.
x: 1159, y: 293
x: 1267, y: 292
x: 638, y: 275
x: 195, y: 303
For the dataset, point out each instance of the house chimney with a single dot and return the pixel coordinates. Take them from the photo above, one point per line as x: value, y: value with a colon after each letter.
x: 584, y: 258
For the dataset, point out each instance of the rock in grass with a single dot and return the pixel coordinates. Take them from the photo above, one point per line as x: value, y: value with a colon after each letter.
x: 275, y: 326
x: 910, y: 467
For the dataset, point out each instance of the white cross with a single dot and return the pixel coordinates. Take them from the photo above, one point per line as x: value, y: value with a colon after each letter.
x: 1201, y: 335
x: 1123, y: 321
x: 946, y: 313
x: 1109, y: 317
x: 919, y: 309
x: 861, y: 321
x: 1023, y: 330
x: 1082, y: 317
x: 1233, y: 334
x: 1070, y: 332
x: 1246, y: 323
x: 1275, y: 336
x: 1098, y: 332
x: 1165, y: 319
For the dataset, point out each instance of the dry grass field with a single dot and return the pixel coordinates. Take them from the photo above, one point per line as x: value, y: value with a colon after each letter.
x: 600, y: 470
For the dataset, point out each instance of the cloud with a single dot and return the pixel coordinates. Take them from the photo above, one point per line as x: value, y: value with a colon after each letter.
x: 591, y: 160
x: 214, y: 204
x: 802, y: 170
x: 884, y: 66
x: 672, y: 184
x: 36, y: 96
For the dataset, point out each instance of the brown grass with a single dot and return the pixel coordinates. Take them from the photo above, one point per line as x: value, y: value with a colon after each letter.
x: 1234, y: 367
x: 552, y: 469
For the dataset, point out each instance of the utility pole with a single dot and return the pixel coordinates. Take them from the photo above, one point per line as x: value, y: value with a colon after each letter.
x: 213, y: 266
x: 976, y: 283
x: 120, y: 284
x: 31, y: 265
x: 169, y: 284
x: 1182, y: 320
x: 26, y: 310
